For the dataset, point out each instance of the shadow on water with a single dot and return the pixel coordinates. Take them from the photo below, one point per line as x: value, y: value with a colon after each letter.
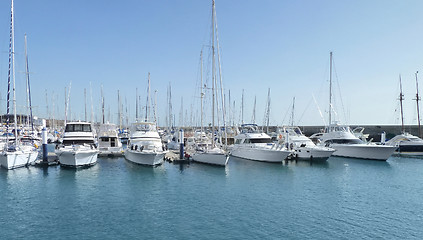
x: 306, y: 163
x: 359, y: 162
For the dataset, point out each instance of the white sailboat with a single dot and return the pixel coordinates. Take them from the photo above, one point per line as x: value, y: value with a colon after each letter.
x: 213, y: 153
x: 145, y: 145
x: 406, y: 143
x: 346, y: 143
x: 15, y: 154
x: 77, y: 148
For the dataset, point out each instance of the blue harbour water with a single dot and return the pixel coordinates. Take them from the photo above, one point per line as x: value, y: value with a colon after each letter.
x: 115, y: 199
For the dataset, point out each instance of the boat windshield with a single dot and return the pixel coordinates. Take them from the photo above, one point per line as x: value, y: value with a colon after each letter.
x: 258, y: 140
x: 77, y: 142
x: 345, y: 141
x: 78, y: 128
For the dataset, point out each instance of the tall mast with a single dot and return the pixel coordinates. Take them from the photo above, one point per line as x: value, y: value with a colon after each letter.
x: 155, y: 107
x: 119, y: 111
x: 292, y: 114
x: 417, y: 101
x: 102, y: 105
x: 330, y: 91
x: 220, y: 79
x: 268, y: 111
x: 201, y: 88
x: 147, y: 106
x: 9, y: 75
x: 136, y: 104
x: 213, y: 73
x: 92, y: 104
x: 66, y: 105
x: 242, y: 107
x: 401, y: 98
x: 85, y: 103
x: 28, y: 86
x: 253, y: 120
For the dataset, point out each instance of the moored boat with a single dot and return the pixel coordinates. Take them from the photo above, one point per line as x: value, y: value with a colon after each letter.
x: 144, y: 145
x: 77, y: 147
x: 257, y: 146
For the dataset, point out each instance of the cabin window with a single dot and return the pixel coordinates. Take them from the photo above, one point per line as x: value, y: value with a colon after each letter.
x: 238, y: 141
x: 77, y: 142
x: 78, y: 128
x: 261, y: 140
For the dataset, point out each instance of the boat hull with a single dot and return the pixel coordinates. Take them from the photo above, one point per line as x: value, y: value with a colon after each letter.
x: 144, y: 157
x: 111, y: 152
x: 363, y: 151
x: 410, y: 149
x: 219, y: 159
x: 313, y: 153
x: 12, y: 160
x: 262, y: 155
x: 77, y: 158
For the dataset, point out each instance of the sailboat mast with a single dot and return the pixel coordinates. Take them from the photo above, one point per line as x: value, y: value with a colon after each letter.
x: 102, y: 105
x: 136, y: 104
x: 401, y: 98
x: 220, y: 78
x: 417, y: 101
x: 268, y: 111
x: 201, y: 88
x: 147, y: 105
x: 254, y: 110
x: 292, y: 114
x: 28, y: 86
x: 85, y: 103
x: 13, y: 76
x: 213, y: 73
x: 242, y: 107
x: 330, y: 91
x: 9, y: 75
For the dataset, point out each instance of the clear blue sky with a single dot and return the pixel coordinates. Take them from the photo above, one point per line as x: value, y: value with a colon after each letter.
x: 282, y: 45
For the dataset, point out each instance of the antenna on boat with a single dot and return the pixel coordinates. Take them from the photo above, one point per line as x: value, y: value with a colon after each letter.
x: 401, y: 98
x: 417, y: 101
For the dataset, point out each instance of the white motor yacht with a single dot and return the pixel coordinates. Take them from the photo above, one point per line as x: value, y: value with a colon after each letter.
x: 347, y: 144
x: 254, y: 145
x: 407, y: 144
x: 108, y: 141
x: 77, y: 147
x: 144, y: 145
x: 302, y: 146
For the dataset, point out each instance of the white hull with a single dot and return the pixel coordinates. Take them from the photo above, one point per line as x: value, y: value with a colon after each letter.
x: 211, y: 158
x: 261, y: 155
x: 111, y: 152
x: 11, y: 160
x: 363, y: 151
x: 77, y: 158
x: 145, y: 157
x: 411, y: 154
x: 314, y: 153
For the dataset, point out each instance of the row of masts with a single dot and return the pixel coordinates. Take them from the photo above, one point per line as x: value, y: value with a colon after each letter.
x: 417, y: 99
